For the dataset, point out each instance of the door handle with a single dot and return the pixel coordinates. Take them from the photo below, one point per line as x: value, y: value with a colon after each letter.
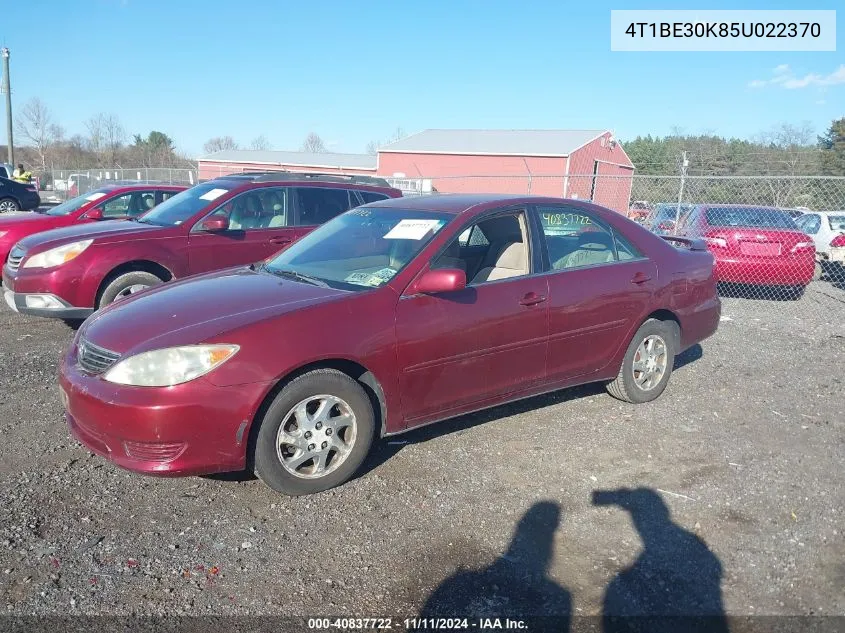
x: 531, y: 299
x: 640, y: 278
x: 280, y: 240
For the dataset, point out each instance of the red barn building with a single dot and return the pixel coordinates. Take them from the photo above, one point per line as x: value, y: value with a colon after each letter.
x: 585, y: 164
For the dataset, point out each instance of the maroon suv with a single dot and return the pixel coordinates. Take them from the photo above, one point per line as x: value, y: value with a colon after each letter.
x: 234, y: 220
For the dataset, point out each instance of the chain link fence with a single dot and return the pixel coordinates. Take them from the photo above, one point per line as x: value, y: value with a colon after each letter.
x: 772, y: 237
x: 58, y: 185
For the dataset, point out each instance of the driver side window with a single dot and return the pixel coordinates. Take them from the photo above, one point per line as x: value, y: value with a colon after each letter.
x: 490, y: 250
x: 256, y: 209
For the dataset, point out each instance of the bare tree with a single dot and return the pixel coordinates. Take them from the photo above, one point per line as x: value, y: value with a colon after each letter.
x: 259, y: 142
x: 35, y: 124
x: 789, y: 151
x: 313, y: 143
x: 220, y: 143
x: 373, y: 146
x: 106, y: 138
x: 114, y: 137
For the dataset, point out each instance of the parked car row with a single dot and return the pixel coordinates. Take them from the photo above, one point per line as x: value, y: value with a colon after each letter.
x: 309, y: 316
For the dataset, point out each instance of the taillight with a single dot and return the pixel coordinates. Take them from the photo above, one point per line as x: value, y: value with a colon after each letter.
x: 716, y: 241
x: 802, y: 247
x: 838, y: 241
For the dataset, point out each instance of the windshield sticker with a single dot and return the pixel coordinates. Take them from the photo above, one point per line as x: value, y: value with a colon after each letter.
x: 412, y: 229
x: 213, y: 194
x: 358, y: 278
x: 385, y: 274
x: 95, y: 196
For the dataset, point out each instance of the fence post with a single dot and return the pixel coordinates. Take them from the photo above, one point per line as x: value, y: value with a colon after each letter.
x: 684, y: 165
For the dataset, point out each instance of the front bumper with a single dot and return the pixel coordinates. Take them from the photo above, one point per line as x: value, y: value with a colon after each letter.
x: 44, y: 292
x: 191, y: 429
x: 44, y: 305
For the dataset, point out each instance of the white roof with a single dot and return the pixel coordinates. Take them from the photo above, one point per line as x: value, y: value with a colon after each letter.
x: 495, y: 142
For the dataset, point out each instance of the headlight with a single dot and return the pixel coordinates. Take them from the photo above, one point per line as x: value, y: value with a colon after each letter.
x: 169, y: 366
x: 58, y: 255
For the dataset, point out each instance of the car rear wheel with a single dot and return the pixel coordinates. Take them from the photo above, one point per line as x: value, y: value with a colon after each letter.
x: 126, y: 285
x: 315, y: 434
x: 648, y: 363
x: 8, y: 204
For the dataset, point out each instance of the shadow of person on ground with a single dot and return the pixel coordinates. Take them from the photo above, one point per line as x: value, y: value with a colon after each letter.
x: 675, y: 583
x: 516, y: 585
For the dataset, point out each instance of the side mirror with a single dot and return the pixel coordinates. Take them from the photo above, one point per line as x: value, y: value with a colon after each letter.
x: 95, y: 214
x: 215, y: 224
x: 442, y: 280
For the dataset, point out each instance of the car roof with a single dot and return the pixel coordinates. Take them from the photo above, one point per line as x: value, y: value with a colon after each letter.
x: 461, y: 202
x: 141, y: 185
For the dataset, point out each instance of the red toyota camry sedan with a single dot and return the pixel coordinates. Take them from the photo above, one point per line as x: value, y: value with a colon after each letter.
x: 392, y: 315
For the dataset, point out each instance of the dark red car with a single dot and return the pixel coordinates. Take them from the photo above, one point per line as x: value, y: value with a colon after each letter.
x: 757, y: 246
x: 393, y: 315
x: 68, y: 273
x: 110, y: 202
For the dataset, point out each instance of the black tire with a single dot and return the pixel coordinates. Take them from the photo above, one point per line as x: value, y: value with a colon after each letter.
x: 11, y: 203
x: 125, y: 281
x: 267, y: 464
x: 624, y: 387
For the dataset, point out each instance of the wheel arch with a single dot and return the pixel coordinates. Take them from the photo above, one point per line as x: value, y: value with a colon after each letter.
x: 351, y: 368
x: 137, y: 265
x: 668, y: 316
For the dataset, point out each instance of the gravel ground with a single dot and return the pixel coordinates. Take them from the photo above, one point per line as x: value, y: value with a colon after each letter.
x: 735, y: 479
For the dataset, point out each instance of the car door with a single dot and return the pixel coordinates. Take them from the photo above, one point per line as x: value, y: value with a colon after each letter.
x: 259, y: 225
x: 599, y: 284
x: 317, y: 205
x: 484, y: 341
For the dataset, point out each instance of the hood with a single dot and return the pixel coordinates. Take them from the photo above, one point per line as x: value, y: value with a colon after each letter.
x: 120, y: 229
x: 30, y: 220
x: 193, y: 310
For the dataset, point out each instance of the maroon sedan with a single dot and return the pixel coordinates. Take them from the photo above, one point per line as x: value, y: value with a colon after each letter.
x: 756, y: 246
x: 392, y: 315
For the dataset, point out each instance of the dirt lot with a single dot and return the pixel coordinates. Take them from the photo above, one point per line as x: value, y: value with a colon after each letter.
x: 736, y: 501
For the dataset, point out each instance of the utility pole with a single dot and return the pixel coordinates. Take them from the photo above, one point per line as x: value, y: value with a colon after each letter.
x: 8, y: 90
x: 684, y: 165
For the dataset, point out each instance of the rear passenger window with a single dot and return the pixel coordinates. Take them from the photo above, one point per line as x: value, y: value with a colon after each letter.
x: 317, y: 205
x: 624, y: 249
x: 575, y: 240
x: 371, y: 196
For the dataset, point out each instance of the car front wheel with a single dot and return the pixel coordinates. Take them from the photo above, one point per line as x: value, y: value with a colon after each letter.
x: 648, y: 363
x: 315, y: 434
x: 126, y: 285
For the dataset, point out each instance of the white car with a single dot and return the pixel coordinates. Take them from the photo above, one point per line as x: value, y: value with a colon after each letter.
x: 827, y: 228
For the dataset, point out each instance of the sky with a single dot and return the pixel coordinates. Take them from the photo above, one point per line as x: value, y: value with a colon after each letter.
x: 355, y: 72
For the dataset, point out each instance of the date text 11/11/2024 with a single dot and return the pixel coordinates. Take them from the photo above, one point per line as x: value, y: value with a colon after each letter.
x: 417, y: 624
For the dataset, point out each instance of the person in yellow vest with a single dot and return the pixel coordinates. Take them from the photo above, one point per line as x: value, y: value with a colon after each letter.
x: 22, y: 175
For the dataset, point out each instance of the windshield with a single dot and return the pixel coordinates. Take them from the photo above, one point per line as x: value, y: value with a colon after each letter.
x: 750, y: 217
x: 362, y: 248
x: 837, y: 222
x: 69, y: 206
x: 184, y: 205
